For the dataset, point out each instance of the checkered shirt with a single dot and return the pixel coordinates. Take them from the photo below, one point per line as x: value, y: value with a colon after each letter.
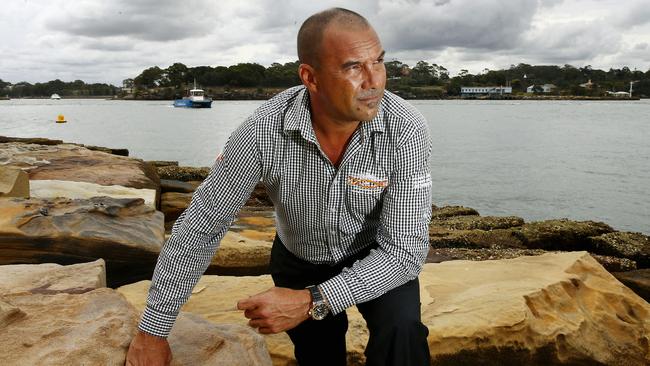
x: 380, y: 192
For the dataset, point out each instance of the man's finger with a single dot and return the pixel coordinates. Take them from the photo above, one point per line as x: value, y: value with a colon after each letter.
x: 246, y: 304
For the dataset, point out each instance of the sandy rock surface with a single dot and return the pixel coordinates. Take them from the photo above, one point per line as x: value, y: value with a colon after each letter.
x: 50, y: 278
x: 542, y: 310
x: 124, y: 232
x: 13, y: 182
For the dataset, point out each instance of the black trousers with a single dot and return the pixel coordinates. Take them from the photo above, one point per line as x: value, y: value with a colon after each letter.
x: 397, y: 335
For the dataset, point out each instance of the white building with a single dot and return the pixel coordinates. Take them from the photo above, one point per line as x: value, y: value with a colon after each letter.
x: 474, y: 91
x: 546, y: 88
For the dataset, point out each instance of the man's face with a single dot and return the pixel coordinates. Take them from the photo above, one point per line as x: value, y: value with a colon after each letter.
x: 351, y: 75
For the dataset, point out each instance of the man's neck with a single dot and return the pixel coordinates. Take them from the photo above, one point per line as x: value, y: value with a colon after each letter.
x: 333, y: 137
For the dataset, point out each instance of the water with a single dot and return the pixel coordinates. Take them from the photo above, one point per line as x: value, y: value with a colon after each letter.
x: 533, y: 159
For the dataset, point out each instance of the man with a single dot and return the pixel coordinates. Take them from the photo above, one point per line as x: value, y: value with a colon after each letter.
x: 346, y: 165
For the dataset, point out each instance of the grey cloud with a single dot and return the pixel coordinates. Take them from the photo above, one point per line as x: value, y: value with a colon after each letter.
x: 144, y: 20
x: 572, y: 41
x: 634, y: 15
x: 486, y: 25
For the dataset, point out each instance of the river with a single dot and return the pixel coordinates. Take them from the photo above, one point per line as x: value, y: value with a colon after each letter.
x: 583, y: 160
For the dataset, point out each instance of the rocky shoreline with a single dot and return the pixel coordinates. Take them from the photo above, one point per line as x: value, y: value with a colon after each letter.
x: 495, y: 289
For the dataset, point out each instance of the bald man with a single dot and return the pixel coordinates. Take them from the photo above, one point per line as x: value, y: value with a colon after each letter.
x: 346, y: 165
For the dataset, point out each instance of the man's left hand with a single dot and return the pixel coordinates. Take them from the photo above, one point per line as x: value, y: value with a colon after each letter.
x: 277, y: 309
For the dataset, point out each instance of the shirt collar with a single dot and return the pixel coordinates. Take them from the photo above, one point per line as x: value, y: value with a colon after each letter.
x: 298, y: 118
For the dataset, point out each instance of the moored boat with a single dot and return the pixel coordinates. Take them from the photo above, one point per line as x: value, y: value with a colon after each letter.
x: 55, y: 96
x: 196, y: 99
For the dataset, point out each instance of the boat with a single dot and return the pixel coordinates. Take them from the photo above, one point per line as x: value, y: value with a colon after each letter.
x: 55, y: 96
x: 196, y: 99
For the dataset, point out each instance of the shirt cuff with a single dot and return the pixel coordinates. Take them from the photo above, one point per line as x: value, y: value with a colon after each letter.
x: 337, y: 293
x: 156, y: 323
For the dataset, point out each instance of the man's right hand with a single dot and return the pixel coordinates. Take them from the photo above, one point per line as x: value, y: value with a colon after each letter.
x: 148, y: 350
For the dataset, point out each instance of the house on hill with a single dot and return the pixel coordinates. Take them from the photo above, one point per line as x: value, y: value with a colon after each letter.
x: 546, y: 88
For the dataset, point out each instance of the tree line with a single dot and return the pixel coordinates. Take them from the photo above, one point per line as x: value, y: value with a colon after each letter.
x: 422, y: 80
x: 76, y: 88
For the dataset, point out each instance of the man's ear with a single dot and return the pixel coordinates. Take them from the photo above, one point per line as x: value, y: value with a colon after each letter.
x: 307, y: 75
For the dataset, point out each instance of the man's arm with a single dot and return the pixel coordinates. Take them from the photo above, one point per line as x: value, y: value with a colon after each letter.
x: 403, y: 235
x: 197, y: 232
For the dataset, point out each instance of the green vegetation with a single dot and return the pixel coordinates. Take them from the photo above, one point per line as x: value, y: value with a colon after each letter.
x: 72, y: 89
x: 424, y: 80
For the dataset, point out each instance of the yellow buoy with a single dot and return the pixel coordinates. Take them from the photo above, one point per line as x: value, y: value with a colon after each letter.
x: 60, y: 119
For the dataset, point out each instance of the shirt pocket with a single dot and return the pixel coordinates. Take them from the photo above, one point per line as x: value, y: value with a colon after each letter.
x: 364, y: 194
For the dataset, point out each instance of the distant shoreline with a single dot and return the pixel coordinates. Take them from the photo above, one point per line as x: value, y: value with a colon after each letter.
x: 532, y: 98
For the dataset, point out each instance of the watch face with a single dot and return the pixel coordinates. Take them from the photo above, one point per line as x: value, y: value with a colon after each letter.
x: 319, y: 312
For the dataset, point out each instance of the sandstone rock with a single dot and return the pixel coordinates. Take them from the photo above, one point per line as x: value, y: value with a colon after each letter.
x: 95, y: 328
x: 638, y: 281
x: 634, y: 246
x: 124, y: 232
x: 169, y: 185
x: 183, y: 173
x: 614, y: 264
x: 561, y: 234
x: 565, y: 235
x: 437, y: 255
x: 9, y: 313
x: 67, y: 162
x: 162, y: 163
x: 215, y: 298
x: 13, y: 182
x: 172, y: 204
x: 542, y: 310
x: 259, y: 197
x: 79, y: 190
x: 549, y: 309
x: 499, y: 238
x: 50, y: 278
x: 450, y: 211
x: 477, y: 222
x: 241, y: 255
x: 196, y: 341
x: 50, y: 142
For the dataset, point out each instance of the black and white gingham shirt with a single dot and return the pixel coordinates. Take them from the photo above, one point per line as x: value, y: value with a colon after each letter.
x: 380, y: 192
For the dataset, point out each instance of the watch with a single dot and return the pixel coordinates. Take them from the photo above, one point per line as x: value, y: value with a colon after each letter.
x: 319, y: 308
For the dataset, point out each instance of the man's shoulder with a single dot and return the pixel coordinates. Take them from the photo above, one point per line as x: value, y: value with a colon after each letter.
x: 401, y: 114
x: 275, y: 108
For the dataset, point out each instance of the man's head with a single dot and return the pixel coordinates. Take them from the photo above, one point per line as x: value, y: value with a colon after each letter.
x: 342, y: 65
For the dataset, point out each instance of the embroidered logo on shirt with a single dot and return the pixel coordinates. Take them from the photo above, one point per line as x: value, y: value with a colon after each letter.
x: 366, y: 183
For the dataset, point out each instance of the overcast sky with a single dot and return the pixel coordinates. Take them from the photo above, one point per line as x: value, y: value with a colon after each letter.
x: 111, y: 40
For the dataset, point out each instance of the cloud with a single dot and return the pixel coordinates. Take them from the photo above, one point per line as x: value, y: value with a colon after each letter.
x: 487, y: 25
x: 141, y: 20
x: 107, y: 41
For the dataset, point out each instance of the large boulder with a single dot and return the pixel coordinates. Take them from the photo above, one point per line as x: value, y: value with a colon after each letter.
x: 13, y: 182
x: 551, y: 309
x: 126, y: 233
x: 95, y: 328
x: 215, y: 298
x: 67, y: 170
x: 51, y: 278
x: 542, y: 310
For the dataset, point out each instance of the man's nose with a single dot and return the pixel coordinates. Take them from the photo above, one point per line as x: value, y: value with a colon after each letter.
x: 372, y: 75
